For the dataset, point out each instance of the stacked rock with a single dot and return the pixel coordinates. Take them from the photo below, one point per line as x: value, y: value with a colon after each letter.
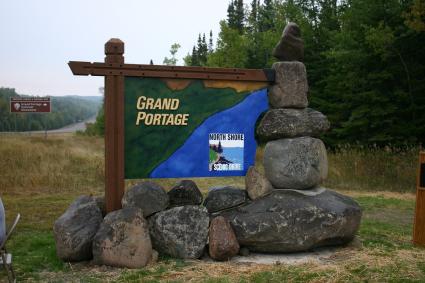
x: 289, y: 211
x: 293, y: 157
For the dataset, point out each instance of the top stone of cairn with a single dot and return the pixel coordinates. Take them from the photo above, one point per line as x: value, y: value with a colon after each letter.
x: 291, y: 46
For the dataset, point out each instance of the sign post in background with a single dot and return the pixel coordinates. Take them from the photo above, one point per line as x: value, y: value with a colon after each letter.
x: 419, y: 225
x: 30, y: 105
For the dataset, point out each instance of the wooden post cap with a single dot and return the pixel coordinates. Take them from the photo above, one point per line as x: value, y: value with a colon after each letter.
x: 114, y: 46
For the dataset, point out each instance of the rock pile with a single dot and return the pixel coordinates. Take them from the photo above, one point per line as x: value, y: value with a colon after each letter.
x: 283, y: 210
x: 289, y: 211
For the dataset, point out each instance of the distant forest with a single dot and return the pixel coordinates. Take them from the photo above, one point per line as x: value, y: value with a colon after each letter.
x: 65, y: 110
x: 365, y: 60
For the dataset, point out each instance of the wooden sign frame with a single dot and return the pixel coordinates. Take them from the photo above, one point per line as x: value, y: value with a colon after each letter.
x: 419, y: 222
x: 114, y: 70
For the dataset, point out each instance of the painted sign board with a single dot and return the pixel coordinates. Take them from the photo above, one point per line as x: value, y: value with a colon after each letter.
x: 30, y: 105
x: 190, y: 128
x: 173, y: 121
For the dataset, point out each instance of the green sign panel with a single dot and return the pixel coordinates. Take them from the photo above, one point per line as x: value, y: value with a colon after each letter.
x: 190, y: 128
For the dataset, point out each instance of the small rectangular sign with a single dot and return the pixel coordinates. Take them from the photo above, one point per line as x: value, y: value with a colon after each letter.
x: 30, y: 105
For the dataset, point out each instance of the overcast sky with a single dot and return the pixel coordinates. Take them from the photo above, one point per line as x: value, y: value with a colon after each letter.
x: 39, y: 37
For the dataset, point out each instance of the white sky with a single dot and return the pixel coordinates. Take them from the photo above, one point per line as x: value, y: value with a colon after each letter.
x: 39, y: 37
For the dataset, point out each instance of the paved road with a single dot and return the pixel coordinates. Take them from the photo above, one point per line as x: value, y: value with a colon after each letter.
x: 74, y: 127
x: 67, y: 129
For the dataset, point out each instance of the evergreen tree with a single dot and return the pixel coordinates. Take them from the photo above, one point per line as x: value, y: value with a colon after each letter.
x: 194, y: 59
x: 253, y: 16
x: 266, y: 16
x: 231, y: 14
x: 239, y: 16
x: 202, y: 50
x: 210, y: 43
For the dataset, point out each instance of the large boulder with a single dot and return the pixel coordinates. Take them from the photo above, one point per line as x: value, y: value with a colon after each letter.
x: 75, y: 229
x: 185, y: 192
x: 223, y: 244
x: 123, y: 239
x: 220, y: 198
x: 290, y: 123
x: 256, y: 184
x: 180, y: 232
x: 290, y: 87
x: 299, y: 163
x: 291, y: 46
x: 292, y: 221
x: 148, y: 196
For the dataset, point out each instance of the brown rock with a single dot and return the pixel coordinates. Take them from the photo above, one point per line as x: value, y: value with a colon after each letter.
x: 123, y: 240
x: 223, y: 243
x: 256, y: 184
x: 291, y: 45
x: 290, y: 87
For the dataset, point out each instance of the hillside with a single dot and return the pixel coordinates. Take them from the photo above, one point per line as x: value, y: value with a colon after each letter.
x: 65, y: 110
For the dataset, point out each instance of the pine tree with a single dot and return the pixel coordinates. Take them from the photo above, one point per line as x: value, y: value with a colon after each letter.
x: 239, y: 16
x: 253, y: 16
x: 194, y: 60
x: 210, y: 43
x: 231, y: 14
x: 266, y: 16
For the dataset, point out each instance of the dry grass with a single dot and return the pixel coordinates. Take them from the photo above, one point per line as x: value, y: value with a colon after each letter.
x: 58, y: 164
x: 373, y: 169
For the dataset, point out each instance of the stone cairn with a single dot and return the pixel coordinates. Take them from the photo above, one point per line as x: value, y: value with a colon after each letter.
x: 284, y: 211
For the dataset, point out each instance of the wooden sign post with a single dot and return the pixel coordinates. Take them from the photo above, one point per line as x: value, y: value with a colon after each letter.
x: 114, y: 127
x: 419, y: 225
x: 203, y: 92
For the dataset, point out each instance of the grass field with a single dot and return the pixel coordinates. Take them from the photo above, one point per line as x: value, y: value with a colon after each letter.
x: 40, y: 177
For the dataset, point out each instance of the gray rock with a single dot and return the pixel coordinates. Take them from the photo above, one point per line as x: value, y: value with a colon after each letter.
x: 186, y: 192
x: 123, y: 239
x: 299, y: 163
x: 288, y: 221
x: 291, y: 123
x: 290, y: 87
x: 100, y: 201
x: 291, y: 46
x: 220, y: 198
x: 256, y: 184
x: 223, y: 244
x: 74, y: 230
x: 148, y: 196
x: 180, y: 232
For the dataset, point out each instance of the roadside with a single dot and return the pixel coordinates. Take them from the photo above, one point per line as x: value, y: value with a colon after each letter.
x: 72, y: 128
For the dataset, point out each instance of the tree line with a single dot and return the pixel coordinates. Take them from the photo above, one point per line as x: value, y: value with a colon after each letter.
x: 65, y: 110
x: 365, y: 60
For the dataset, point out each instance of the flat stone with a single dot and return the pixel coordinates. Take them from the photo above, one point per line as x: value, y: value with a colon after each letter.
x: 185, y: 192
x: 289, y: 221
x: 299, y: 163
x: 223, y: 244
x: 291, y: 123
x: 123, y: 240
x: 75, y: 229
x: 148, y: 196
x: 220, y: 198
x: 256, y: 184
x: 180, y: 232
x: 290, y: 87
x: 291, y: 46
